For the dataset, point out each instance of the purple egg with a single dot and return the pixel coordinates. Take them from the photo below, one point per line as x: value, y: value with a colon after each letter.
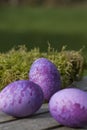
x: 69, y: 107
x: 21, y: 98
x: 44, y: 73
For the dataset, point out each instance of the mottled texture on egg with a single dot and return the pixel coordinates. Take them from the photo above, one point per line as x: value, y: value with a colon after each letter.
x: 44, y: 73
x: 21, y: 98
x: 69, y: 107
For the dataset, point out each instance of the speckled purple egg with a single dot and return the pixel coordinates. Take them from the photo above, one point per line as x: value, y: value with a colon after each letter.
x: 69, y: 107
x: 21, y: 98
x: 44, y: 73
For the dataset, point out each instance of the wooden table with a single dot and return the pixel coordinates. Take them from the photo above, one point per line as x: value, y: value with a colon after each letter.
x: 42, y: 120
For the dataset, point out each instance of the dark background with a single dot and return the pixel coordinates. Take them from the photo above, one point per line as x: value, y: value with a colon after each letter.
x: 37, y: 22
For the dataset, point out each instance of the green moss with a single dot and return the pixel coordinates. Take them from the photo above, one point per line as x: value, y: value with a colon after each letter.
x: 16, y: 63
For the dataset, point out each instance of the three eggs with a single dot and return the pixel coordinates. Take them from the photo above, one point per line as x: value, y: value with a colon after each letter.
x: 24, y: 97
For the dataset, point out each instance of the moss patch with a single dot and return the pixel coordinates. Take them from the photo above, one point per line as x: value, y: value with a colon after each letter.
x: 16, y: 63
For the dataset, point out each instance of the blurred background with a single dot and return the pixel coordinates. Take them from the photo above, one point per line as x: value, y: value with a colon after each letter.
x: 37, y: 22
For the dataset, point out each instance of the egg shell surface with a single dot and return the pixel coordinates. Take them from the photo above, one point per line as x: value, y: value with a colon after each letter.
x: 21, y: 98
x: 69, y: 107
x: 44, y: 73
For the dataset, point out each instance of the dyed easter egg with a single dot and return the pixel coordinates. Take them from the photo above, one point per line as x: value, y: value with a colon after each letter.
x: 21, y: 98
x: 44, y: 73
x: 69, y: 107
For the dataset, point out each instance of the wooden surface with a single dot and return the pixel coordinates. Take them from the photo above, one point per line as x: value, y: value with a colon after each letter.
x: 42, y: 120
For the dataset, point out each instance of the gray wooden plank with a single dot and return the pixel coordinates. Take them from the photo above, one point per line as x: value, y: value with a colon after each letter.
x: 4, y: 117
x: 82, y: 84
